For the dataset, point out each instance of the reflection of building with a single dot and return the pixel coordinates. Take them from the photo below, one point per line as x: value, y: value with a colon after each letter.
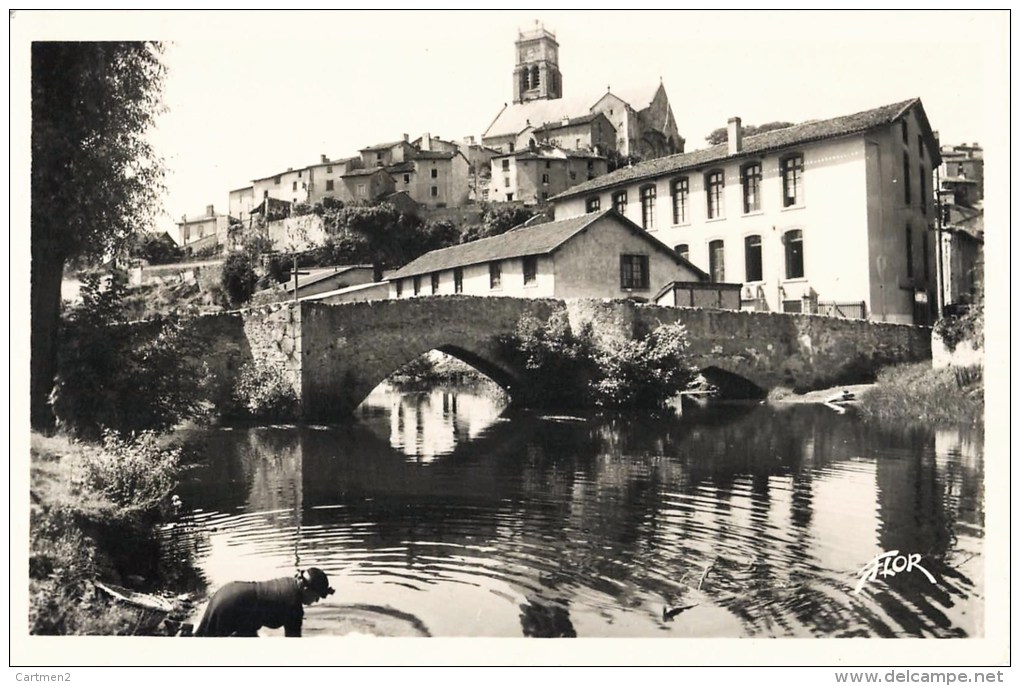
x: 836, y: 213
x: 592, y: 256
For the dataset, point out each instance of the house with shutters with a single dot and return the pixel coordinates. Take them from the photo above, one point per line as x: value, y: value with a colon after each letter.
x: 830, y: 217
x: 599, y: 255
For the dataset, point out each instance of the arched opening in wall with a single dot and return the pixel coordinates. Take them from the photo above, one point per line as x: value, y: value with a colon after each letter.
x: 435, y: 402
x: 727, y: 385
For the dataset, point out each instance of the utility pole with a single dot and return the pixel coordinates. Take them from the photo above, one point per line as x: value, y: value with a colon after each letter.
x: 939, y: 275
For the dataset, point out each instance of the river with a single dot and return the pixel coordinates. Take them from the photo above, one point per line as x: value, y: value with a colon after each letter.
x: 442, y: 514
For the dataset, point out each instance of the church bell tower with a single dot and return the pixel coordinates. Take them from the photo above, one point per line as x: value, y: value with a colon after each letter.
x: 536, y: 73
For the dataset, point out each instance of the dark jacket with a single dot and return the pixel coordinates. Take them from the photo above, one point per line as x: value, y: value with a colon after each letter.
x: 241, y: 608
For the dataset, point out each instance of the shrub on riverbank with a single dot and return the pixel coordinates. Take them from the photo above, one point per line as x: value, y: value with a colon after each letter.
x: 916, y: 392
x: 92, y: 515
x: 564, y: 368
x: 261, y: 392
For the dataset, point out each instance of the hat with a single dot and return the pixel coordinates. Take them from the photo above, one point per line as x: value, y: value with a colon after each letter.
x: 315, y: 579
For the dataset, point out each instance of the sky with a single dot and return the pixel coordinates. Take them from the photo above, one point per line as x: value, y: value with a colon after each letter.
x: 249, y: 94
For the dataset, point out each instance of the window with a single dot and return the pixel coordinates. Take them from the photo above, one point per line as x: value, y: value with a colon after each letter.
x: 573, y: 176
x: 276, y: 180
x: 716, y: 261
x: 361, y: 190
x: 506, y: 165
x: 592, y: 204
x: 681, y: 190
x: 714, y: 190
x: 506, y: 182
x: 752, y: 258
x: 378, y: 156
x: 509, y: 197
x: 400, y: 287
x: 910, y: 253
x: 435, y: 173
x: 294, y: 186
x: 530, y: 267
x: 751, y: 182
x: 435, y: 283
x: 904, y: 131
x: 545, y: 195
x: 683, y: 250
x: 620, y: 202
x: 794, y: 241
x: 329, y: 169
x: 434, y: 191
x: 407, y: 178
x: 495, y: 275
x: 906, y: 179
x: 648, y: 208
x: 591, y: 165
x: 458, y: 280
x: 300, y: 172
x: 545, y: 179
x: 329, y: 184
x: 511, y: 146
x: 547, y: 164
x: 633, y: 272
x: 793, y: 171
x: 417, y: 285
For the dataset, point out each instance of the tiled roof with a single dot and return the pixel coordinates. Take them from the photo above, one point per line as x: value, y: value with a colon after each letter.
x: 574, y: 121
x: 525, y: 240
x: 434, y: 154
x: 752, y: 145
x: 539, y: 239
x: 383, y: 146
x: 639, y: 97
x: 321, y: 275
x: 363, y: 172
x: 402, y: 168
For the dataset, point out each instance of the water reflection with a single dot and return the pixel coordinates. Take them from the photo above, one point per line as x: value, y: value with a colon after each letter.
x: 754, y: 520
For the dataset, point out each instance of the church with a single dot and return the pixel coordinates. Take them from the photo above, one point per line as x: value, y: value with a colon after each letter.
x: 640, y: 116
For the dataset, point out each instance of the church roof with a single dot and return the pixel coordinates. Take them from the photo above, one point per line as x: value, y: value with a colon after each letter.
x: 798, y: 134
x: 516, y: 117
x: 574, y: 121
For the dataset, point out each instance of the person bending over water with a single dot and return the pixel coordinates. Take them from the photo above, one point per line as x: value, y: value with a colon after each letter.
x: 241, y: 608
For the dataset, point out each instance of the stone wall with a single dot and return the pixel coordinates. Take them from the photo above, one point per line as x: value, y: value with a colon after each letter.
x: 802, y: 352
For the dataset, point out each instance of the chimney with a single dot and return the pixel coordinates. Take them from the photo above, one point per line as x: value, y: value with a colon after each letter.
x: 426, y: 141
x: 209, y: 210
x: 325, y: 158
x: 735, y: 135
x: 405, y: 137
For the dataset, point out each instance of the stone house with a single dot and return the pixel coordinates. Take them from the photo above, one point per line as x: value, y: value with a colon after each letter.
x: 209, y: 230
x: 535, y: 174
x: 386, y: 154
x: 433, y: 178
x: 833, y: 216
x: 601, y: 255
x: 591, y: 132
x: 365, y: 185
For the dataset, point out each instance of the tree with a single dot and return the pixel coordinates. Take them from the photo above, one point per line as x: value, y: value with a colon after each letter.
x: 721, y: 135
x: 95, y: 177
x: 155, y: 248
x: 238, y: 278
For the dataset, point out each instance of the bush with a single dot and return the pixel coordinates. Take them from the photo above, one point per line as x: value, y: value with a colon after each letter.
x: 918, y: 393
x: 127, y: 378
x: 261, y: 392
x: 238, y: 278
x: 568, y: 369
x: 133, y: 473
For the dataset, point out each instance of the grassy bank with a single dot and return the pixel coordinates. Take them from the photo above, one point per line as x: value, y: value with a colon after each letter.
x: 94, y: 511
x: 916, y: 392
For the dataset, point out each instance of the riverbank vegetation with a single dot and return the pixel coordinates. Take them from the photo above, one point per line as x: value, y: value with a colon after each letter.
x: 918, y: 393
x: 93, y: 511
x: 564, y: 368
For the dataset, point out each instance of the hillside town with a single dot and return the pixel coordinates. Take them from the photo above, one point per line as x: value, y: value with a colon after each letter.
x: 865, y: 215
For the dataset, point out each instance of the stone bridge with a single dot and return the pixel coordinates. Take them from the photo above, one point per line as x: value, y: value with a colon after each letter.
x: 334, y: 355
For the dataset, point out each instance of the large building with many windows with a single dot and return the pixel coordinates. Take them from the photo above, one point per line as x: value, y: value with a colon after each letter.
x: 834, y: 217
